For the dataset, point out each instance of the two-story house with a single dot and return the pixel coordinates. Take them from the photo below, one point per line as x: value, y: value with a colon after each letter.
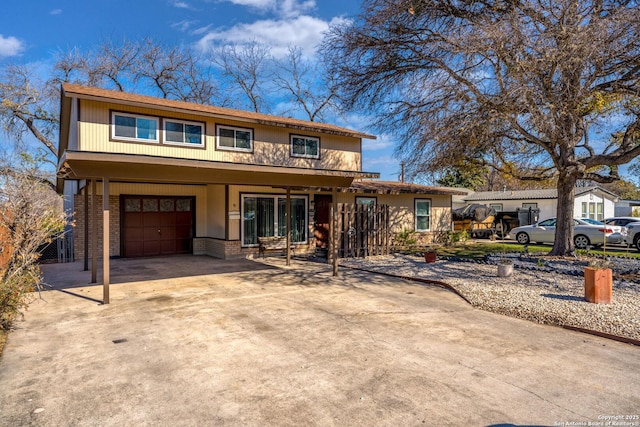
x: 149, y: 176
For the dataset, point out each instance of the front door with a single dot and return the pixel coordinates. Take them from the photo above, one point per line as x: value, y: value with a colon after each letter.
x: 321, y: 221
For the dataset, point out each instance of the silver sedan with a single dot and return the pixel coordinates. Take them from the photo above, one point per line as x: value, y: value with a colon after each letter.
x: 585, y: 233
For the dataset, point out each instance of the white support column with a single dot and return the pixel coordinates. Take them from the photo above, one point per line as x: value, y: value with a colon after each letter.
x: 105, y: 240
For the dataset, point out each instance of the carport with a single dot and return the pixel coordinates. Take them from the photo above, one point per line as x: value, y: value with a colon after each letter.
x: 107, y: 168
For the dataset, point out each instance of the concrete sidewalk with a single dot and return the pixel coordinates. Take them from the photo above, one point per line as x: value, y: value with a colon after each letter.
x: 198, y: 341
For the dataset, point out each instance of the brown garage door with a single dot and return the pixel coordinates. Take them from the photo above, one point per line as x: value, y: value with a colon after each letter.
x: 156, y: 225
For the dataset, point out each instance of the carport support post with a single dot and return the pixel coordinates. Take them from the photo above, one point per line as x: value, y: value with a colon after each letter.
x: 94, y: 234
x: 288, y: 226
x: 332, y: 230
x: 105, y: 240
x: 86, y: 226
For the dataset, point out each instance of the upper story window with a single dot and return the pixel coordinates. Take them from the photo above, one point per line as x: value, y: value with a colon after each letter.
x: 181, y: 132
x: 234, y: 138
x: 305, y: 146
x: 132, y: 127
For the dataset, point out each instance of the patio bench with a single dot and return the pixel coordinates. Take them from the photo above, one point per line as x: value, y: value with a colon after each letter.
x: 273, y: 243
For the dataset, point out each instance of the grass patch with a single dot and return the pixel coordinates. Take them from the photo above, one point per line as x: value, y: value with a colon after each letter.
x: 478, y: 250
x: 618, y: 251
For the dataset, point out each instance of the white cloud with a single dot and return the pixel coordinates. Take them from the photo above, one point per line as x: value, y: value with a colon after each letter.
x: 55, y: 12
x: 304, y: 31
x: 201, y: 30
x: 183, y: 25
x: 10, y: 46
x: 291, y: 8
x: 281, y: 8
x: 258, y: 4
x: 181, y: 5
x: 382, y: 142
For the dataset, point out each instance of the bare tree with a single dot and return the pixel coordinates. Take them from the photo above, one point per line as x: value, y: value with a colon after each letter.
x: 306, y: 85
x: 246, y: 68
x: 29, y: 106
x: 165, y: 68
x: 534, y: 85
x: 26, y: 107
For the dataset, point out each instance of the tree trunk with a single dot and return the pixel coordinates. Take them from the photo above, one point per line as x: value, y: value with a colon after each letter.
x: 563, y: 244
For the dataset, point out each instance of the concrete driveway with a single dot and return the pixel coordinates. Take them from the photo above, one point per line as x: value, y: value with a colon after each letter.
x: 196, y: 341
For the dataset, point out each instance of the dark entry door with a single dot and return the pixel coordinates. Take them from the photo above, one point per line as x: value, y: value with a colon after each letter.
x: 157, y: 225
x: 322, y: 217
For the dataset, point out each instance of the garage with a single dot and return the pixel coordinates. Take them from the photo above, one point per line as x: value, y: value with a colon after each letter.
x: 157, y: 225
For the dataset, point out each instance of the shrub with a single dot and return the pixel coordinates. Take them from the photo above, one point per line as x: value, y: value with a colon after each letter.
x: 31, y: 215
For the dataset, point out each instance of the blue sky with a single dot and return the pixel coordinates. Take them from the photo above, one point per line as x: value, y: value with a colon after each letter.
x: 32, y: 31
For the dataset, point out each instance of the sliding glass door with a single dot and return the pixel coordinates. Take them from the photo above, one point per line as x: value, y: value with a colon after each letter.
x: 264, y: 215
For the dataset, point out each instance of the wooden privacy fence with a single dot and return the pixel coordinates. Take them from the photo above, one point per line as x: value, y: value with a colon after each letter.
x: 362, y: 230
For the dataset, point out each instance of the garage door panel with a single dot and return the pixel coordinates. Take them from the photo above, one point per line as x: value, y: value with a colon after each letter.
x: 168, y: 246
x: 133, y: 219
x: 151, y: 247
x: 157, y: 225
x: 135, y: 249
x: 150, y: 233
x: 167, y: 233
x: 168, y: 219
x: 183, y: 218
x: 183, y: 232
x: 151, y: 219
x: 134, y: 233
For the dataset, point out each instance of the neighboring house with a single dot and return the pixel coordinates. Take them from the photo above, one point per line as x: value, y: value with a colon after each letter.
x: 590, y: 202
x: 188, y: 178
x: 627, y: 208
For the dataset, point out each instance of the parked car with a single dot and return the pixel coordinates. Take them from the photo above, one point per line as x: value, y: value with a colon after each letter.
x: 633, y: 235
x: 585, y: 233
x: 623, y: 221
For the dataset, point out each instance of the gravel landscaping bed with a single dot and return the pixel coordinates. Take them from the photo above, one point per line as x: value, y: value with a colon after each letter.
x: 536, y: 291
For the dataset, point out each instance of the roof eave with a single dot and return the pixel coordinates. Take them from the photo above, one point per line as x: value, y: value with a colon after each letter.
x: 190, y: 108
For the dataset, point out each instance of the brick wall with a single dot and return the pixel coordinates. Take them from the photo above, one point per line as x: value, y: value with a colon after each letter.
x: 114, y: 226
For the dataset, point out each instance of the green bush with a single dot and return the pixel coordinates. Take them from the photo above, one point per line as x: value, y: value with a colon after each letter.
x: 406, y: 240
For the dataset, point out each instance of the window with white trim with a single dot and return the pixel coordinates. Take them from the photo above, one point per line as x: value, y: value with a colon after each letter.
x: 305, y: 146
x: 132, y: 127
x: 593, y: 210
x: 496, y: 207
x: 423, y: 214
x: 264, y: 215
x: 234, y: 138
x: 183, y: 132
